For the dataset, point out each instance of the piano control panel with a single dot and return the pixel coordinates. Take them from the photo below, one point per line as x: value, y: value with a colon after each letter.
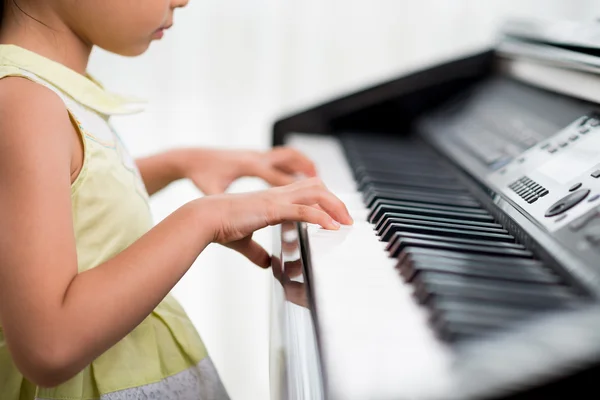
x: 556, y: 182
x: 538, y: 152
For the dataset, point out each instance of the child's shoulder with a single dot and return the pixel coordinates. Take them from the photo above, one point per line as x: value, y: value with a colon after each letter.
x: 20, y: 94
x: 31, y: 112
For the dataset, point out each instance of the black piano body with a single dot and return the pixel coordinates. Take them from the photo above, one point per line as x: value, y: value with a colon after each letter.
x: 476, y: 175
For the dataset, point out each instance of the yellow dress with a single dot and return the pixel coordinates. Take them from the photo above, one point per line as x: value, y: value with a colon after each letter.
x: 164, y: 357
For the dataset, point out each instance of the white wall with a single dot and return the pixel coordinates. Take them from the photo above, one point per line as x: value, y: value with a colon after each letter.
x: 230, y: 67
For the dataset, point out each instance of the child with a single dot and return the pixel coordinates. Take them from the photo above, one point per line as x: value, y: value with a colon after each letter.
x: 85, y: 309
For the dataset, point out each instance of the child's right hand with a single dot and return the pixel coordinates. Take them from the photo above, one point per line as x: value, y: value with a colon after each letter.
x: 235, y: 217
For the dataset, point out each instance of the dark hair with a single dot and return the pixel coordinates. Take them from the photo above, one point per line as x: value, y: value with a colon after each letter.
x: 4, y: 8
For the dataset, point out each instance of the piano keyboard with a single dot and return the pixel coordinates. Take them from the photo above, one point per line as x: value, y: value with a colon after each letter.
x: 420, y: 322
x: 473, y: 276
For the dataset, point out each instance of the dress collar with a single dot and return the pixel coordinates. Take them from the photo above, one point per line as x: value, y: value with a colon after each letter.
x: 83, y: 89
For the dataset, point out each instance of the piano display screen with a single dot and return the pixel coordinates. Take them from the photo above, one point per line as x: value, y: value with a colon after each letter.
x: 565, y: 167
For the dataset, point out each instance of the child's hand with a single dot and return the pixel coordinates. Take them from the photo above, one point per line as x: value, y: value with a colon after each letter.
x: 212, y: 171
x: 237, y: 216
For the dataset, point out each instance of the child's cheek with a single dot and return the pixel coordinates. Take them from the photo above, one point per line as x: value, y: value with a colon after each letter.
x: 155, y: 13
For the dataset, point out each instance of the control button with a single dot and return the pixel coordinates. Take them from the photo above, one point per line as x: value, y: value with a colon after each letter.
x: 563, y: 144
x: 582, y: 221
x: 575, y: 187
x: 596, y: 174
x: 594, y: 122
x: 594, y: 198
x: 531, y: 198
x: 545, y: 146
x: 584, y: 130
x: 518, y: 187
x: 545, y: 192
x: 561, y: 218
x: 555, y: 210
x: 567, y: 202
x: 521, y: 160
x: 573, y: 138
x: 552, y: 150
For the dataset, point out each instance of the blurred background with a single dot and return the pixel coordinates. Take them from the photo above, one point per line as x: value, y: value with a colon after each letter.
x: 229, y: 68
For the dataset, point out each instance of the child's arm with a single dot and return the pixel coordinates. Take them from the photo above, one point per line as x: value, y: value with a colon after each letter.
x: 212, y: 171
x: 57, y: 321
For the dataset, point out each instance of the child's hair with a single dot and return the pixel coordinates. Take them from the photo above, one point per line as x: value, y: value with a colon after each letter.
x: 1, y: 11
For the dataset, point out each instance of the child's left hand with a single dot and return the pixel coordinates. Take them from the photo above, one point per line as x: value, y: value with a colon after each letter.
x: 212, y: 171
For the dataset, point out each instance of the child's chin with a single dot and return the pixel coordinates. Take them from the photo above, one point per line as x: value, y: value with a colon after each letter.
x: 130, y: 51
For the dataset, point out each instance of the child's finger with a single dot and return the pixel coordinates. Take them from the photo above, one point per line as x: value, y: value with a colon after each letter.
x: 275, y: 177
x: 316, y: 206
x: 305, y: 213
x: 293, y: 161
x: 327, y: 201
x: 253, y: 252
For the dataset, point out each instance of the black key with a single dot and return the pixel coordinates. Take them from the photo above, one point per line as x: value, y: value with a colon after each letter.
x: 361, y: 171
x: 403, y: 243
x: 381, y: 149
x: 400, y: 190
x: 435, y: 177
x: 364, y: 166
x: 434, y: 173
x: 388, y: 217
x: 458, y: 256
x: 456, y: 332
x: 442, y: 304
x: 480, y: 322
x: 449, y: 312
x: 504, y: 263
x: 485, y: 321
x: 429, y: 284
x: 411, y: 181
x: 382, y: 209
x: 451, y: 232
x: 371, y: 195
x: 375, y: 214
x: 419, y: 204
x: 448, y: 239
x: 421, y: 185
x: 419, y: 195
x: 410, y: 267
x: 460, y: 233
x: 385, y: 223
x: 397, y: 156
